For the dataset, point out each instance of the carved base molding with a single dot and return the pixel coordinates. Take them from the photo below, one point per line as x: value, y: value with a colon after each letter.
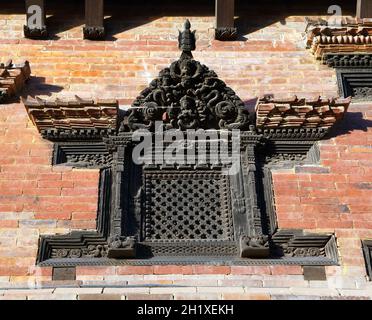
x: 226, y: 34
x: 94, y: 33
x: 35, y: 33
x: 287, y: 247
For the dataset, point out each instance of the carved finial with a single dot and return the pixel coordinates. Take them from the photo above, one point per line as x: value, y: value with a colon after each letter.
x: 187, y: 24
x: 187, y: 41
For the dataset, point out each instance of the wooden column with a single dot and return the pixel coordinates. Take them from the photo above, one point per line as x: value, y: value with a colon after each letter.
x: 35, y: 26
x: 94, y: 16
x: 364, y: 9
x: 225, y: 13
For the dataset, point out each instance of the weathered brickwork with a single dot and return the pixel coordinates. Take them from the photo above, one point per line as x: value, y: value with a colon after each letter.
x: 269, y: 58
x: 336, y: 194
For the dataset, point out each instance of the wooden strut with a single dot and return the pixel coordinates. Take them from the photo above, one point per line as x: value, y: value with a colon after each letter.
x: 364, y: 9
x: 35, y: 27
x: 94, y: 20
x: 94, y: 15
x: 225, y: 14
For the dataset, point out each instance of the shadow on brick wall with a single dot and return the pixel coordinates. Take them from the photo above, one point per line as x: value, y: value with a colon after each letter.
x: 353, y: 121
x: 126, y: 15
x: 37, y: 86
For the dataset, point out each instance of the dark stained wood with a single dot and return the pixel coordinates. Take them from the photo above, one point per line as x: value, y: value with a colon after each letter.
x: 364, y: 9
x: 35, y: 19
x: 94, y: 16
x: 225, y: 14
x: 64, y: 274
x: 94, y: 13
x: 225, y: 10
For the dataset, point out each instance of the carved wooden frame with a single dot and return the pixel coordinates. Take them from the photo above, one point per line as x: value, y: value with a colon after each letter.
x: 181, y: 97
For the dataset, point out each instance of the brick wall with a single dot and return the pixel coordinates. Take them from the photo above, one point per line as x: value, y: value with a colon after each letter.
x: 270, y: 57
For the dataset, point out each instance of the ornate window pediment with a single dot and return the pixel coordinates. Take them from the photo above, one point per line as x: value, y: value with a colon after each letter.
x: 347, y: 48
x: 159, y: 212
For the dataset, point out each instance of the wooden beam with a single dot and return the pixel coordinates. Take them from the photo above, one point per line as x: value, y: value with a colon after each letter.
x: 364, y: 9
x: 225, y: 14
x: 94, y: 15
x: 35, y: 26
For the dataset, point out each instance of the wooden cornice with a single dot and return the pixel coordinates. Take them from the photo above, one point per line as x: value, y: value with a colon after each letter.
x: 300, y: 113
x: 12, y: 79
x: 354, y: 36
x: 74, y: 117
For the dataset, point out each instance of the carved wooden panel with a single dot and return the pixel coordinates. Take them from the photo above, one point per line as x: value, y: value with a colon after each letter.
x: 182, y: 213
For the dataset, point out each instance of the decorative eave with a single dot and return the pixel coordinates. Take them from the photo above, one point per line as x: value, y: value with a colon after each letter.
x: 346, y: 39
x: 73, y: 119
x: 12, y: 79
x: 290, y: 115
x: 348, y: 60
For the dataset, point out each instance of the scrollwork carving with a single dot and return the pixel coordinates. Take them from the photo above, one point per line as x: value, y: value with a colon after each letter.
x: 122, y: 247
x: 188, y: 95
x: 254, y: 247
x: 92, y: 251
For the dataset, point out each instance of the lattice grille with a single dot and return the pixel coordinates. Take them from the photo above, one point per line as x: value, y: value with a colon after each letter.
x: 187, y: 206
x: 217, y: 248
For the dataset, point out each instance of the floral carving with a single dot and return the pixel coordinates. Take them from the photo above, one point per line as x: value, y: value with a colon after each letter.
x: 188, y: 95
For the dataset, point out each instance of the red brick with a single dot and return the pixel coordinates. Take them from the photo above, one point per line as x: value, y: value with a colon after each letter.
x: 8, y: 223
x: 286, y: 270
x: 173, y: 269
x: 252, y: 270
x: 133, y: 270
x: 14, y: 271
x: 41, y: 271
x: 204, y: 269
x: 90, y: 271
x: 53, y: 215
x: 79, y: 191
x: 54, y: 184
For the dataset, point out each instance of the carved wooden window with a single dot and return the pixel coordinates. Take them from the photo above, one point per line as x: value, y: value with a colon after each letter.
x: 354, y: 74
x: 186, y: 213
